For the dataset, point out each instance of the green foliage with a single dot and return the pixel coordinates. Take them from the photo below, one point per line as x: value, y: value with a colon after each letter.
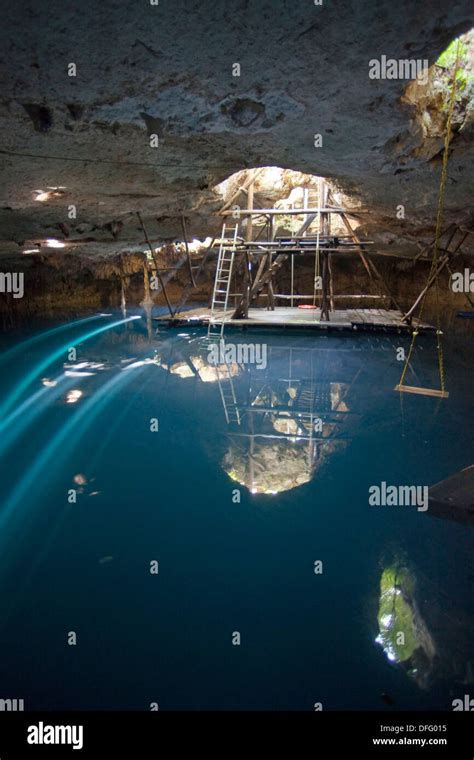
x: 447, y: 61
x: 448, y: 58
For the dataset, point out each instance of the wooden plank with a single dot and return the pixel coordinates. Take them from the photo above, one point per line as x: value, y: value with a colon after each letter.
x: 260, y: 249
x: 421, y: 391
x: 284, y: 316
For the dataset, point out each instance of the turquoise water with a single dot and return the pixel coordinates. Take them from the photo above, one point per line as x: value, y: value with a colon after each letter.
x: 235, y: 515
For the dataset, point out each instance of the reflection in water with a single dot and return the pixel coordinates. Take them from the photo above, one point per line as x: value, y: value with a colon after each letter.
x: 285, y: 423
x: 282, y: 429
x: 403, y: 634
x: 287, y: 429
x: 198, y: 366
x: 73, y: 396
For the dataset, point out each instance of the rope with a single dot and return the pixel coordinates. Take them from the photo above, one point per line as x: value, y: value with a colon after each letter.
x: 439, y: 225
x: 316, y: 252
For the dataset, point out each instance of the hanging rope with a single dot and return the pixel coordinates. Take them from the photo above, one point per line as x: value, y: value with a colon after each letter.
x: 439, y: 225
x: 316, y: 252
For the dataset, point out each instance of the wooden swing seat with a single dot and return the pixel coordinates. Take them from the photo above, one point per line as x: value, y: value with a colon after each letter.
x: 421, y: 391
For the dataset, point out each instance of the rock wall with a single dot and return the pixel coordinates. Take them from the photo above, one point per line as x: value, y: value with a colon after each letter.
x: 167, y: 71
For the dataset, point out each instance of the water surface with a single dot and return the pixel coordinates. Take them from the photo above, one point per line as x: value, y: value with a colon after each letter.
x: 225, y: 479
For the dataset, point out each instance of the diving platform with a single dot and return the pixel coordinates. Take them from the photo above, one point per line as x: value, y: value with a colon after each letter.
x: 389, y: 320
x: 255, y: 248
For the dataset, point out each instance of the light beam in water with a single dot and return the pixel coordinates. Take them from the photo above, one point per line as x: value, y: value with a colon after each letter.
x: 26, y: 344
x: 25, y: 415
x: 39, y: 368
x: 58, y: 449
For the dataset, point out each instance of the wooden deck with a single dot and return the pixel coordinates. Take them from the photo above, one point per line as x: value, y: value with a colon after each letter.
x: 292, y: 317
x: 453, y: 498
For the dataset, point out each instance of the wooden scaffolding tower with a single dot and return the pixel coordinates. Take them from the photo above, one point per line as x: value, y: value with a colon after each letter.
x: 254, y: 259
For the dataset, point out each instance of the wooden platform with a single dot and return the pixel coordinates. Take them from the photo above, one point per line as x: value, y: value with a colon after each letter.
x: 292, y: 317
x: 453, y: 498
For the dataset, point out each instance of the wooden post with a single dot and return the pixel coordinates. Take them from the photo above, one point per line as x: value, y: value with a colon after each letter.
x: 325, y: 268
x: 271, y: 237
x: 242, y: 310
x: 324, y: 298
x: 305, y: 204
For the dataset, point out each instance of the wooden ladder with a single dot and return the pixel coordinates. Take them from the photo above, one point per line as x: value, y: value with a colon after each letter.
x: 221, y: 290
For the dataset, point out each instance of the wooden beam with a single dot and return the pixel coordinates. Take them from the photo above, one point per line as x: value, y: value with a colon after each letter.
x: 336, y: 297
x: 325, y: 227
x: 444, y: 261
x: 283, y: 212
x: 331, y: 284
x: 451, y: 228
x: 324, y: 297
x: 250, y: 180
x: 356, y: 239
x: 368, y: 263
x: 429, y: 284
x: 261, y: 250
x: 241, y: 312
